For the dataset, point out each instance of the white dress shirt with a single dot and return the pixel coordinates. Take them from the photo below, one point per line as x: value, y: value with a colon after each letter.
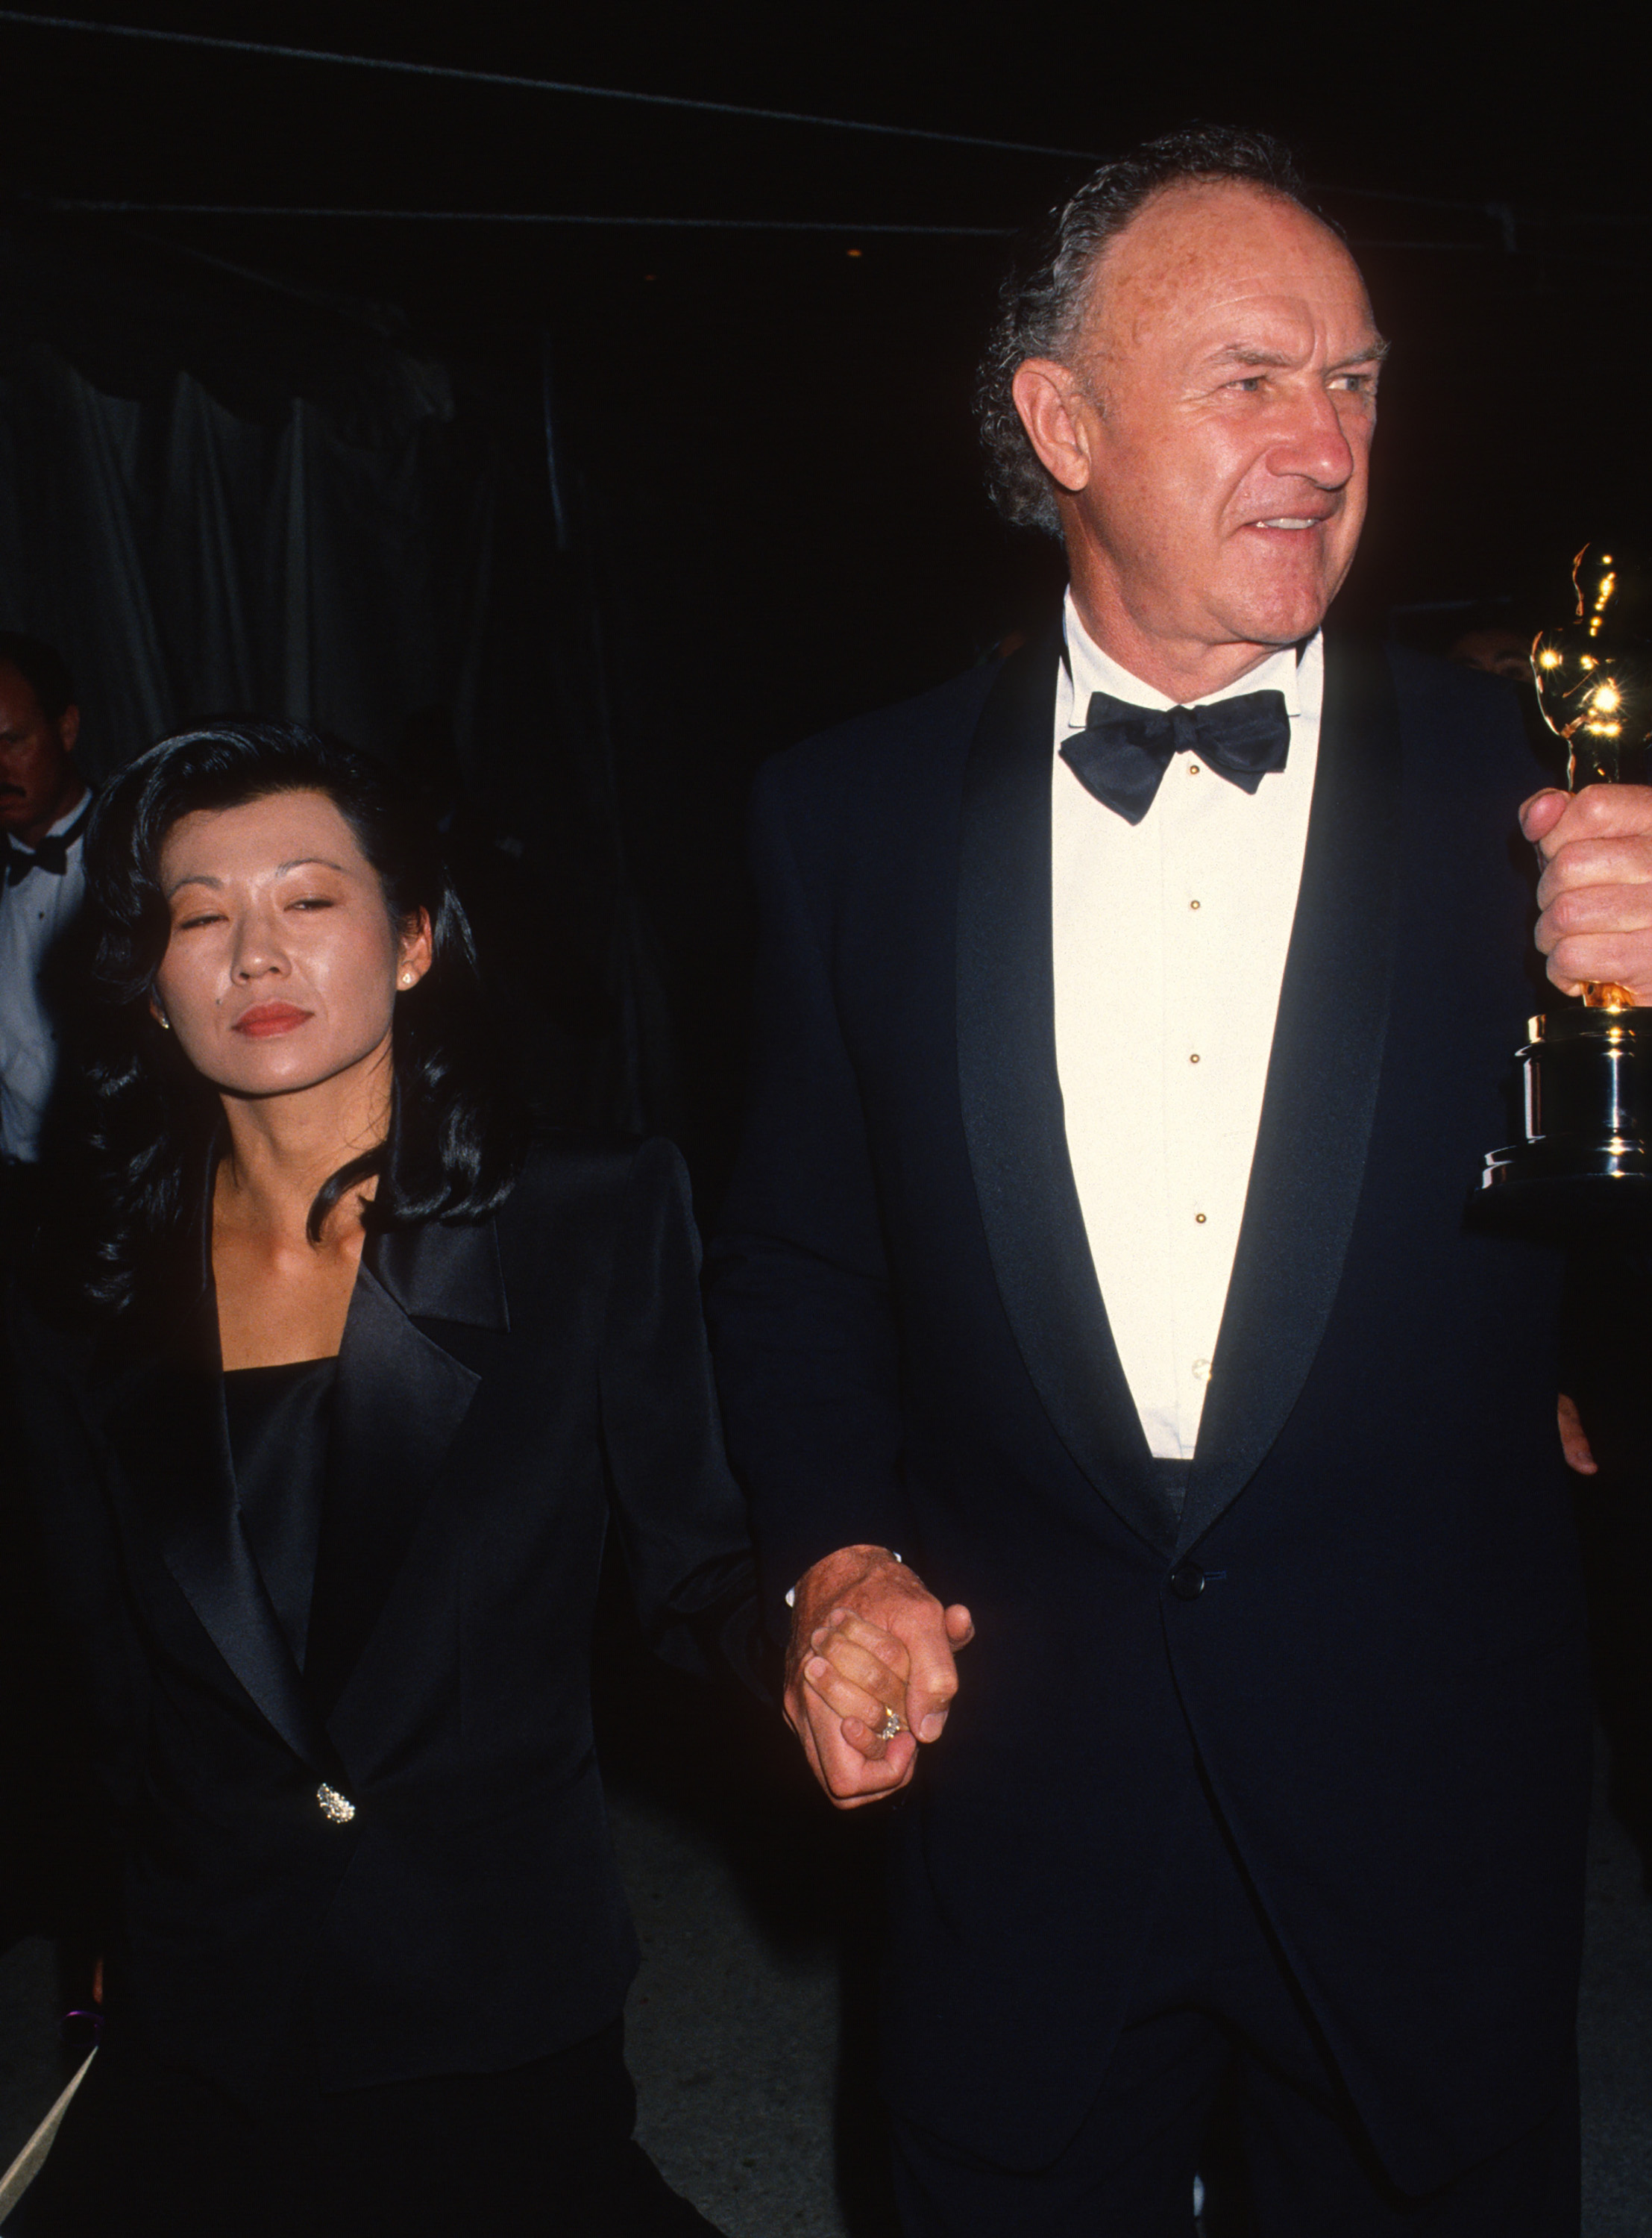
x: 1170, y: 941
x: 33, y: 913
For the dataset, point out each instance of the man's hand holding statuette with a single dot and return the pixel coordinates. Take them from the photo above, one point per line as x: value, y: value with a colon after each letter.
x: 1596, y: 891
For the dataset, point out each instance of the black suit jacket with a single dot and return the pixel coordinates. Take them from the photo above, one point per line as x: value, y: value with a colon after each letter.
x: 503, y: 1389
x: 1383, y: 1674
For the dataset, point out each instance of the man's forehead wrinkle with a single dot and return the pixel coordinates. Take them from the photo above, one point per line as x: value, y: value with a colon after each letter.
x: 1193, y: 238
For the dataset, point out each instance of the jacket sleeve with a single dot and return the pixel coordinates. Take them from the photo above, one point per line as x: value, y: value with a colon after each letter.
x: 678, y: 1511
x: 72, y: 1696
x: 800, y: 1305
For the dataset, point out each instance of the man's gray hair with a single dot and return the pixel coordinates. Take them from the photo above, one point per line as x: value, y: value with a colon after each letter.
x: 1044, y: 303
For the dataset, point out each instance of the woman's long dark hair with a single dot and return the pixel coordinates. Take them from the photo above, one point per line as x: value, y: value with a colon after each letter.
x: 147, y: 1119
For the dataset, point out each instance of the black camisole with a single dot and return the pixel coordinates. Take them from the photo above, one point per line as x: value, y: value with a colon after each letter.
x: 279, y: 1420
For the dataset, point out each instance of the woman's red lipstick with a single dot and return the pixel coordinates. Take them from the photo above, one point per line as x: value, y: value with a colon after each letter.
x: 265, y: 1019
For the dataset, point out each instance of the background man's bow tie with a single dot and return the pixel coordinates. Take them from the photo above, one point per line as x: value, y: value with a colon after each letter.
x: 50, y: 854
x: 1123, y: 752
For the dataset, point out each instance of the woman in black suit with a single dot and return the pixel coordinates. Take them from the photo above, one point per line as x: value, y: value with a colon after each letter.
x: 342, y: 1385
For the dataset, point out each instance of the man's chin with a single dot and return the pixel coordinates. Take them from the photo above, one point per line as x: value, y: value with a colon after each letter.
x: 1280, y: 617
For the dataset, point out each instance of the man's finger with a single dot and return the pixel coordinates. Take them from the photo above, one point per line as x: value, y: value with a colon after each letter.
x: 1539, y: 815
x: 935, y: 1675
x: 1574, y: 1438
x: 1590, y: 905
x: 1599, y: 811
x: 1618, y: 959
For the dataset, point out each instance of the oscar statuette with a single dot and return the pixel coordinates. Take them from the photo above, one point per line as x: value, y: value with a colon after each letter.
x: 1587, y: 1071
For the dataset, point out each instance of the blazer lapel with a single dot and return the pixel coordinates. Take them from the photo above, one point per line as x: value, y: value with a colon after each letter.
x: 400, y: 1398
x: 1321, y: 1094
x: 164, y: 1416
x: 1014, y: 1119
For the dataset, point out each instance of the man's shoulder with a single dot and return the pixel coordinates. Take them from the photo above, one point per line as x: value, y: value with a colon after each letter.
x: 914, y: 742
x: 1435, y: 690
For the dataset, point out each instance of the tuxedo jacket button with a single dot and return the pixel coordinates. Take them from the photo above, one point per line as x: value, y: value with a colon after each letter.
x: 1187, y: 1581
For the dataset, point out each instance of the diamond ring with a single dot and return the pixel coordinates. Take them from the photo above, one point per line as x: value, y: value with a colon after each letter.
x: 893, y: 1722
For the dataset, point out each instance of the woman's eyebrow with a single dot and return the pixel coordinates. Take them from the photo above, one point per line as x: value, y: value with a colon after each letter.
x: 297, y: 863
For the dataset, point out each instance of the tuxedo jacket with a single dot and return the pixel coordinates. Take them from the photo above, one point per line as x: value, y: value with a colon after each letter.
x: 504, y: 1390
x: 1366, y: 1615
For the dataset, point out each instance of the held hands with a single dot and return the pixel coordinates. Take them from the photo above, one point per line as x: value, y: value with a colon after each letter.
x: 868, y: 1637
x: 1595, y: 892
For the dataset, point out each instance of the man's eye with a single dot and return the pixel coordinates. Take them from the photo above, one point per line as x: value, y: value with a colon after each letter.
x: 311, y: 901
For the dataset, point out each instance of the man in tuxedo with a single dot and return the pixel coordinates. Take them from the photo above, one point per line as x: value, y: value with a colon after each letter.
x: 43, y: 810
x: 1100, y: 1282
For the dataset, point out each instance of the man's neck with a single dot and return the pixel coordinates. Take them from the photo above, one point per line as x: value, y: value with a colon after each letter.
x: 1185, y: 670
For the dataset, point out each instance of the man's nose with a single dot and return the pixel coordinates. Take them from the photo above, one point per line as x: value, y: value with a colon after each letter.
x: 1313, y: 443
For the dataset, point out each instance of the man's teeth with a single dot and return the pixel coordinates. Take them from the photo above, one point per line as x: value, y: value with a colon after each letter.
x: 1287, y: 524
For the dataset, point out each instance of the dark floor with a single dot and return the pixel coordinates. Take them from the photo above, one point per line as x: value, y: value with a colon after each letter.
x: 747, y: 2028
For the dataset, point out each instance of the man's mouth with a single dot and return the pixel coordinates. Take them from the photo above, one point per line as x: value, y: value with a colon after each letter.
x: 1293, y: 520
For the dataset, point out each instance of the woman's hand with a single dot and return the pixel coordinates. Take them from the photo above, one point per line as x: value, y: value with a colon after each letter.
x: 861, y: 1671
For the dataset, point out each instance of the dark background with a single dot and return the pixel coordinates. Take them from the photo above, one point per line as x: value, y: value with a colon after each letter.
x: 768, y: 513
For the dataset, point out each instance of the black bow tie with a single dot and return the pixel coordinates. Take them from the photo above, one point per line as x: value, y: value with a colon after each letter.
x: 1123, y: 752
x: 50, y: 854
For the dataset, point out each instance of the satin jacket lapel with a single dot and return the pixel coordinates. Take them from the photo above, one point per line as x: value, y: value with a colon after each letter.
x: 400, y: 1399
x: 1012, y: 1114
x: 1321, y: 1094
x: 164, y: 1416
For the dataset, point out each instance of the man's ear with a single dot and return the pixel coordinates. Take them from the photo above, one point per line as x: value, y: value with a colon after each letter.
x: 68, y: 729
x: 1052, y: 407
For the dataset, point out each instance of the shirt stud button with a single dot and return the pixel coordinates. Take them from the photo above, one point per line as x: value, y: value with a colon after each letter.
x: 1199, y: 1217
x: 1193, y: 1057
x: 1192, y: 904
x: 1193, y: 769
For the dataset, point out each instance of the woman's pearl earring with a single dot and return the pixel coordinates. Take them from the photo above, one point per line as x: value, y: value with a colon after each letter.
x: 406, y: 978
x: 163, y: 1021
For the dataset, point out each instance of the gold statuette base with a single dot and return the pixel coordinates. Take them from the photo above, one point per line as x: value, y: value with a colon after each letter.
x: 1586, y: 1156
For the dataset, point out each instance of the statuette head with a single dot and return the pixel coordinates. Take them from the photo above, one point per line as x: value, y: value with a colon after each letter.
x: 1593, y: 674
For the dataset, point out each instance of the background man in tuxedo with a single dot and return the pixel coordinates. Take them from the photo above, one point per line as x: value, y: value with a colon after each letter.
x: 1133, y: 1019
x: 43, y: 803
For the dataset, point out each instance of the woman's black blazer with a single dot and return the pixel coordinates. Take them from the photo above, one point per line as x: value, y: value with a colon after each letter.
x: 504, y: 1389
